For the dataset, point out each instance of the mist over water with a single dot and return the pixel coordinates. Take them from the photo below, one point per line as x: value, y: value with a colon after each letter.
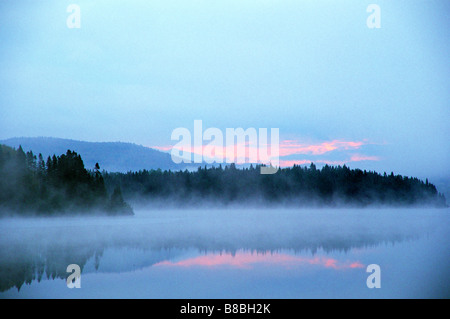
x: 229, y: 253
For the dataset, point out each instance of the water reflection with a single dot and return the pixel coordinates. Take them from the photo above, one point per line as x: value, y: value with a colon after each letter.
x: 33, y: 250
x: 248, y: 259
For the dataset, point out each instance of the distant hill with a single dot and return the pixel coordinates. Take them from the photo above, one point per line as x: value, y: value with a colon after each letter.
x: 112, y: 156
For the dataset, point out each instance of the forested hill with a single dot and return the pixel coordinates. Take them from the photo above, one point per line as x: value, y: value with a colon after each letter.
x: 113, y: 156
x: 61, y: 184
x: 296, y: 186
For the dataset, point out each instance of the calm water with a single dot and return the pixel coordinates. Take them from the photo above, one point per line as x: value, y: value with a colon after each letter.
x: 235, y: 253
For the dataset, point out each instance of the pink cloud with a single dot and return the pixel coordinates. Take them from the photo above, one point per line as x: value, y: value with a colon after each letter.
x: 286, y: 148
x: 290, y: 147
x: 359, y: 158
x: 221, y: 154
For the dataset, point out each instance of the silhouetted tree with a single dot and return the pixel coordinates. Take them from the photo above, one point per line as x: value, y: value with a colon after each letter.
x: 60, y: 185
x: 329, y: 186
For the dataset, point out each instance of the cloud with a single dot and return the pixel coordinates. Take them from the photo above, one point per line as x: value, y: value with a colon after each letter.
x: 360, y: 158
x: 291, y: 147
x: 220, y: 154
x: 286, y: 148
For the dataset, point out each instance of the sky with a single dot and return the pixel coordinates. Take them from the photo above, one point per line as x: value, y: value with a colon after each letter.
x: 338, y: 91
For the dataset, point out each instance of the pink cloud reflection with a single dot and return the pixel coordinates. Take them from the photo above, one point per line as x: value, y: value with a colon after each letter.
x: 247, y: 260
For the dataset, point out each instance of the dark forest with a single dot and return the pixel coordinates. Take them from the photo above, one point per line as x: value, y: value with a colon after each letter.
x: 62, y: 185
x: 295, y: 186
x: 59, y: 185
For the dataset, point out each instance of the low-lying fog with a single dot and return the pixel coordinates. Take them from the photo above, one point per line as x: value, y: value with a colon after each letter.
x: 33, y: 249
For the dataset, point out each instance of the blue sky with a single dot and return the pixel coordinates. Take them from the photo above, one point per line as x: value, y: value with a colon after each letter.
x: 136, y: 70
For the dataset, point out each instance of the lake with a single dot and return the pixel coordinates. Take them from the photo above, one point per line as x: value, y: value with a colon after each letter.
x: 229, y: 253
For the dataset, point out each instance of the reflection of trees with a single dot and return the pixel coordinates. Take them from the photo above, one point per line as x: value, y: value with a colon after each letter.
x: 30, y: 256
x: 18, y: 265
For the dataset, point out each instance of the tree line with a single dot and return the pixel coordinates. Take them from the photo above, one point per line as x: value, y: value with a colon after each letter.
x: 297, y: 186
x: 61, y: 184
